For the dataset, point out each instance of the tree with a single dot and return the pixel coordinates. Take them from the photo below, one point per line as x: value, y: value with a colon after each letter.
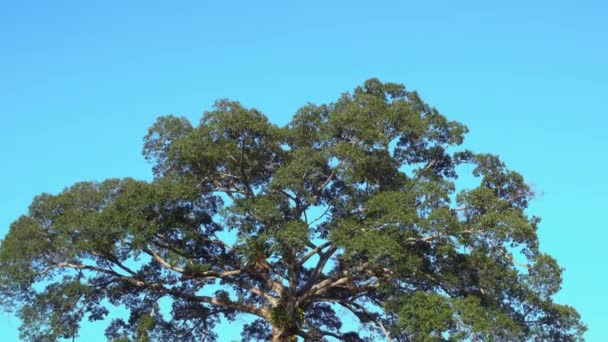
x: 352, y: 207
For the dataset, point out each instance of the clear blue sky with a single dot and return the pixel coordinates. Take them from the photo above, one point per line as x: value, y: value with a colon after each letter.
x: 80, y: 83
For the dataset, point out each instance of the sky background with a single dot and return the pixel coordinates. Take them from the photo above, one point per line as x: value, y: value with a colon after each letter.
x: 80, y: 83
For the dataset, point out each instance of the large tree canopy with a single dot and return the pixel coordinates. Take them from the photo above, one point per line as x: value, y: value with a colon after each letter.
x: 351, y: 212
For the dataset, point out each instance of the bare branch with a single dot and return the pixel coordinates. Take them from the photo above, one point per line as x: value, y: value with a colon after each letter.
x: 360, y: 311
x: 114, y: 260
x: 320, y: 217
x: 314, y: 251
x: 331, y: 176
x: 316, y: 273
x: 429, y: 165
x: 162, y: 261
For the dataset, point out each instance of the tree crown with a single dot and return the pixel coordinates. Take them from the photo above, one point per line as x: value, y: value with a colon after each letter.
x: 351, y: 207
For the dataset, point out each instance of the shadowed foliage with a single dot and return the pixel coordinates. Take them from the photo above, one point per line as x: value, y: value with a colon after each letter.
x: 350, y: 210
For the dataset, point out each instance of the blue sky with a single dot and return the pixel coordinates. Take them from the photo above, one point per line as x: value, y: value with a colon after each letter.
x: 80, y: 83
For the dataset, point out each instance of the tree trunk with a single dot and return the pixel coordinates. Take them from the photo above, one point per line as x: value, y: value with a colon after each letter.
x: 281, y: 335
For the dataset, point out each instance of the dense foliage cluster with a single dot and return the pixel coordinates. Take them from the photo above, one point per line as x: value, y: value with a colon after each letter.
x: 350, y: 210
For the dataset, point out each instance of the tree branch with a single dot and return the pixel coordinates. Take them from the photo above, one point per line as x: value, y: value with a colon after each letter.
x: 162, y: 261
x: 314, y: 251
x: 320, y: 217
x: 226, y: 303
x: 316, y: 273
x: 362, y: 313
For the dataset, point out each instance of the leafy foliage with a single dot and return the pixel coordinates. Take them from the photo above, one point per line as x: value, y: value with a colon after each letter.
x: 352, y: 206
